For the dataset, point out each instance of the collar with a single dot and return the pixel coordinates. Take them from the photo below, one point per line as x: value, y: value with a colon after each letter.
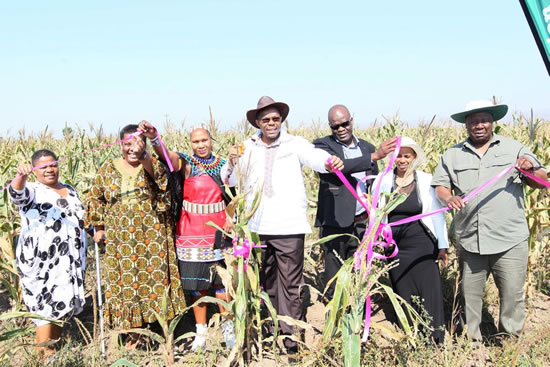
x: 283, y: 138
x: 354, y: 139
x: 468, y: 144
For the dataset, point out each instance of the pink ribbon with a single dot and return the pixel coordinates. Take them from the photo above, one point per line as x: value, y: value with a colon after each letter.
x: 534, y: 178
x: 131, y: 136
x: 243, y: 249
x: 348, y: 186
x: 386, y: 232
x: 137, y: 133
x: 166, y: 157
x: 468, y: 197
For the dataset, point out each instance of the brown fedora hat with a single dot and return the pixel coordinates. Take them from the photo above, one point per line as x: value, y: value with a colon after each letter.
x: 265, y: 102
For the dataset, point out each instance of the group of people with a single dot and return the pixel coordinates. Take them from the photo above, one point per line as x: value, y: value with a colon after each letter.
x: 157, y: 244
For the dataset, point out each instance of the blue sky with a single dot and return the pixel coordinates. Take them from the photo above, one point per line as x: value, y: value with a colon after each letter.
x: 118, y: 62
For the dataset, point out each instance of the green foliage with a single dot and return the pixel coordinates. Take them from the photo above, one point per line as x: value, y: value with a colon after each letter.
x: 345, y: 312
x: 338, y: 342
x: 241, y: 280
x: 123, y: 362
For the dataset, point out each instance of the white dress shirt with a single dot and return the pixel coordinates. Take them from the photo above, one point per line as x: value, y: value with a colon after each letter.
x: 282, y: 211
x: 350, y: 152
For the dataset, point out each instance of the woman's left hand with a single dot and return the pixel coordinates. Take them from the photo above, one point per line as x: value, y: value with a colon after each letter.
x: 138, y: 147
x: 228, y: 225
x: 443, y: 256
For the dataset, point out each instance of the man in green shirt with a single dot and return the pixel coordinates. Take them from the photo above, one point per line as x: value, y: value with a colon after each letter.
x: 491, y: 229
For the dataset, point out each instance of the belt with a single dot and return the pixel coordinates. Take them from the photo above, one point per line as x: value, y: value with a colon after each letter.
x: 361, y: 217
x: 203, y: 208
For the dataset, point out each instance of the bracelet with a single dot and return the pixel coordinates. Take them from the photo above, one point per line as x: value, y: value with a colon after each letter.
x: 155, y: 141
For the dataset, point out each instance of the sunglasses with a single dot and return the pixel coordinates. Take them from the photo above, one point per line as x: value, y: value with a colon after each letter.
x: 266, y: 120
x: 343, y: 124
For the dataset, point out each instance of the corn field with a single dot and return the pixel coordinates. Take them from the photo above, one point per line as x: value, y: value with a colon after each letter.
x: 388, y: 344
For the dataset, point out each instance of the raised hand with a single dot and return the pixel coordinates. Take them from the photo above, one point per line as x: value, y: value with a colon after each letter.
x: 24, y: 169
x: 384, y: 149
x: 235, y: 152
x: 138, y: 146
x: 147, y: 129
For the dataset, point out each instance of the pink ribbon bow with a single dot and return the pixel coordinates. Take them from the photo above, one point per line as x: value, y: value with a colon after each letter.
x: 243, y: 249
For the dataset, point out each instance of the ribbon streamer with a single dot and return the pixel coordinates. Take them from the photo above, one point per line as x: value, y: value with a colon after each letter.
x: 370, y: 254
x: 137, y: 133
x: 486, y: 184
x: 166, y: 157
x: 534, y: 178
x: 467, y: 198
x: 131, y: 136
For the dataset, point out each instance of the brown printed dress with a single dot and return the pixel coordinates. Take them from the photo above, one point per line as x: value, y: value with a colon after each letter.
x: 140, y: 260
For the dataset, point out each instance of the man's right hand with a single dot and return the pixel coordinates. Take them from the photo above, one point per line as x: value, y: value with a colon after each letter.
x: 385, y: 148
x: 456, y: 202
x: 235, y: 152
x: 335, y: 162
x: 147, y: 129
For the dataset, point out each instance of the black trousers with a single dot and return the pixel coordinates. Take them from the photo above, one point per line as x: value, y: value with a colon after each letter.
x: 343, y: 246
x: 281, y: 275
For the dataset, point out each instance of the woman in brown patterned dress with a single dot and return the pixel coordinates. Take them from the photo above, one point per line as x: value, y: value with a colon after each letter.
x: 128, y: 206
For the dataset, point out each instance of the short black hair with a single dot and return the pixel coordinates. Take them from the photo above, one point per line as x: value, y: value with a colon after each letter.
x: 42, y: 153
x: 130, y: 129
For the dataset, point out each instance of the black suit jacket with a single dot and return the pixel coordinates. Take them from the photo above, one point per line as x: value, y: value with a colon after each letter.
x: 336, y: 205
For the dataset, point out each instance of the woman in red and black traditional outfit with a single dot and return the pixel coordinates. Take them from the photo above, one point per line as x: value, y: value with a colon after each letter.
x: 198, y: 248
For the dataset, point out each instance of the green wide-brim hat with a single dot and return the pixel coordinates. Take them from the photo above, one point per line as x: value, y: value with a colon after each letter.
x: 497, y: 110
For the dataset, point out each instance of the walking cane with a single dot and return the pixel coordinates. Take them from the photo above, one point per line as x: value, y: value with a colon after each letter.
x: 99, y: 300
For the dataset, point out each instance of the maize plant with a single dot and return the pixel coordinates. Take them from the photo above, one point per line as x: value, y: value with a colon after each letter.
x: 241, y: 279
x: 249, y: 302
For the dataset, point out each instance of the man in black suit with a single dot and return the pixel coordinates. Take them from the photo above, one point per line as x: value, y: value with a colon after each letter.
x: 337, y: 210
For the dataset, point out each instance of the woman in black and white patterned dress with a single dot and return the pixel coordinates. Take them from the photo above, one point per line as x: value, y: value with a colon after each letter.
x: 51, y: 252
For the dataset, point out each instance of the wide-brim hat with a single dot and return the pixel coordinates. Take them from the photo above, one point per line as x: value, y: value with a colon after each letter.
x: 407, y: 142
x: 265, y: 102
x: 497, y: 110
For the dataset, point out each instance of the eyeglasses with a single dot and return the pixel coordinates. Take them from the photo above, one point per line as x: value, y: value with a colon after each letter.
x: 343, y: 124
x: 266, y: 120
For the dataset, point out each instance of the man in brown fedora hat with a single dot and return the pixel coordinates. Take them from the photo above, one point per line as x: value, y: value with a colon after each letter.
x: 338, y: 211
x: 491, y: 230
x: 273, y: 161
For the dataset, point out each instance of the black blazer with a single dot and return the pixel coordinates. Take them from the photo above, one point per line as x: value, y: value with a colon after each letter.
x: 336, y: 205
